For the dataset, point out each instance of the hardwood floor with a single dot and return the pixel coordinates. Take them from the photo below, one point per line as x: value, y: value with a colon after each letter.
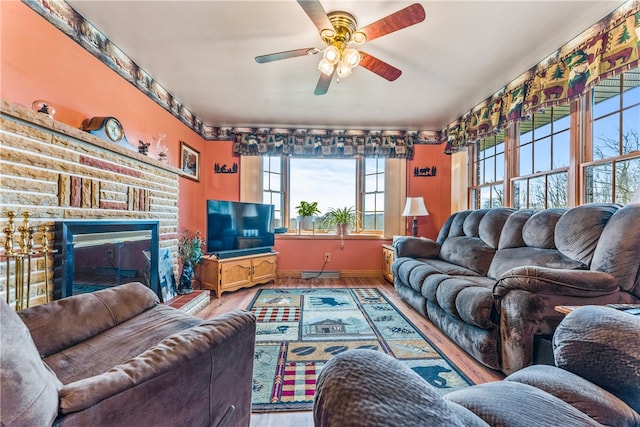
x: 241, y: 299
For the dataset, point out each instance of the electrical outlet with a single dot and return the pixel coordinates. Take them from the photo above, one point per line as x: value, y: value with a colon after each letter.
x: 327, y: 257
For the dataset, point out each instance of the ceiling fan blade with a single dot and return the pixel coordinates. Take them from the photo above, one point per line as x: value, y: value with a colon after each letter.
x: 323, y: 83
x: 403, y: 18
x: 379, y: 67
x: 316, y: 13
x: 286, y: 54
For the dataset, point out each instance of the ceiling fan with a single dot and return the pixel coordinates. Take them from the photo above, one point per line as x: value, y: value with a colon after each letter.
x: 338, y: 30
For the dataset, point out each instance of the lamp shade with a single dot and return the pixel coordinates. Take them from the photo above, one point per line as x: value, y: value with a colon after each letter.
x: 415, y: 207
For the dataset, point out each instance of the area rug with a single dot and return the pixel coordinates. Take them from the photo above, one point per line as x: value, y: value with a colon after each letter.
x: 299, y: 329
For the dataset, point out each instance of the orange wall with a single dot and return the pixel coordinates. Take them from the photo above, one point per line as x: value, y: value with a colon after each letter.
x: 40, y: 62
x: 436, y: 190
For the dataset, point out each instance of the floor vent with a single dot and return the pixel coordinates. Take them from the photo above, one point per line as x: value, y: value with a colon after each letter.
x: 320, y: 274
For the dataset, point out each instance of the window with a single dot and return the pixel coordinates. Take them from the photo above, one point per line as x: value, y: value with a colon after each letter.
x: 373, y: 203
x: 543, y: 165
x: 613, y: 173
x: 333, y: 183
x: 488, y: 172
x: 273, y: 192
x: 329, y: 182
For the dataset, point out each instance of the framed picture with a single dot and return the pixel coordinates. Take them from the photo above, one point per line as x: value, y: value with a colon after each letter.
x: 189, y: 161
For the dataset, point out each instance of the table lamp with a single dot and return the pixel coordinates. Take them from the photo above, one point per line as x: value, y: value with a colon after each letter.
x: 415, y: 207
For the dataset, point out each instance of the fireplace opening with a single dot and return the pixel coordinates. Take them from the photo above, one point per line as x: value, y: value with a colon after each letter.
x: 93, y: 255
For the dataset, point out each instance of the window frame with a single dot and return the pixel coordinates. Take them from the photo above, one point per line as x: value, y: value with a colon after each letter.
x: 360, y: 178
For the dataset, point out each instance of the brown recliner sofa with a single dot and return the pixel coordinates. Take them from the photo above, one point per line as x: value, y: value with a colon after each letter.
x: 493, y: 277
x: 595, y: 382
x: 118, y: 357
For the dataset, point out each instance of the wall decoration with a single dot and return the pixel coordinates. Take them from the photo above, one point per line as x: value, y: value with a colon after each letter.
x: 218, y: 168
x: 425, y: 171
x: 143, y: 147
x: 189, y: 161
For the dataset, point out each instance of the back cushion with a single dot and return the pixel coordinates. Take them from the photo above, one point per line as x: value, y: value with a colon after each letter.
x: 511, y: 236
x: 618, y: 250
x: 469, y: 252
x: 578, y: 231
x: 472, y: 222
x: 601, y: 345
x: 492, y: 224
x: 444, y: 231
x: 105, y: 308
x: 539, y: 230
x: 28, y: 388
x: 506, y: 259
x: 457, y: 224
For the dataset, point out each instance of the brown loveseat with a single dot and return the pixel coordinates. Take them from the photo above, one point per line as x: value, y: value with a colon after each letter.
x: 493, y: 277
x: 117, y: 357
x: 594, y: 383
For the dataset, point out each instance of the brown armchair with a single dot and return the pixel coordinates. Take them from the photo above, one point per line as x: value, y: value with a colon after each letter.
x: 119, y: 357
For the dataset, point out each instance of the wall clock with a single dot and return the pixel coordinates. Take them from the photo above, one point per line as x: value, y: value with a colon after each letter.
x: 108, y: 128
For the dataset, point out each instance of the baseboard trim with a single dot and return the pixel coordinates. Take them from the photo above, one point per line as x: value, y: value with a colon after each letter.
x: 297, y: 274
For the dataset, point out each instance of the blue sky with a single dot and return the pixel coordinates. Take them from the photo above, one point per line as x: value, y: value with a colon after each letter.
x: 329, y: 182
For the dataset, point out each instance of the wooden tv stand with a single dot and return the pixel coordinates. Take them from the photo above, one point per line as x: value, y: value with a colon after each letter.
x: 230, y: 274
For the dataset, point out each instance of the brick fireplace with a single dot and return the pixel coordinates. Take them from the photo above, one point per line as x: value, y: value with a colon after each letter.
x: 59, y: 173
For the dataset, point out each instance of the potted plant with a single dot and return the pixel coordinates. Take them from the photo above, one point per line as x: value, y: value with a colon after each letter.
x: 306, y: 211
x: 342, y: 218
x: 190, y: 253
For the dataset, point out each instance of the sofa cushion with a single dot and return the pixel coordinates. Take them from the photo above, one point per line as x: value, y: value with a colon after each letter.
x: 511, y: 236
x: 594, y: 401
x: 578, y: 230
x: 507, y: 403
x: 471, y: 226
x: 469, y: 252
x: 28, y: 390
x: 106, y: 308
x: 492, y: 224
x: 618, y: 250
x: 469, y: 299
x: 538, y: 231
x: 457, y: 224
x: 506, y: 259
x: 602, y: 345
x: 416, y: 247
x: 115, y: 346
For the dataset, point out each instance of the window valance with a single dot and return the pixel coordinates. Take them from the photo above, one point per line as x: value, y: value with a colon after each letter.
x: 329, y: 144
x: 608, y: 48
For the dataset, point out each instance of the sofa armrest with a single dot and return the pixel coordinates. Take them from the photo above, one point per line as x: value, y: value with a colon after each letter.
x: 172, y: 353
x: 416, y: 247
x: 542, y: 280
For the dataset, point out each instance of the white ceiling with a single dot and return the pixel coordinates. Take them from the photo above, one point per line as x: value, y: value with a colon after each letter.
x: 202, y: 52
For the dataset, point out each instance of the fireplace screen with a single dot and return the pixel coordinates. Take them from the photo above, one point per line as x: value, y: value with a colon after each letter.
x: 94, y: 255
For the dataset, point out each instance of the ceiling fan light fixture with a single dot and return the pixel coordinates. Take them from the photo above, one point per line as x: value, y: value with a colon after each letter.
x: 325, y: 67
x: 331, y: 55
x: 344, y: 69
x: 351, y: 57
x: 359, y: 37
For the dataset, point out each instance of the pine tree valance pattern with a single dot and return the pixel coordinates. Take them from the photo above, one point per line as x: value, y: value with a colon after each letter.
x: 328, y: 144
x: 608, y: 48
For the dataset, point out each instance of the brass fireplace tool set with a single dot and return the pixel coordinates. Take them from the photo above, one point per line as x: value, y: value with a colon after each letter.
x: 20, y: 256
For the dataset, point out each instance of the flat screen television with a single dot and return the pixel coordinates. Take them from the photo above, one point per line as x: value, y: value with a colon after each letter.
x: 239, y: 228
